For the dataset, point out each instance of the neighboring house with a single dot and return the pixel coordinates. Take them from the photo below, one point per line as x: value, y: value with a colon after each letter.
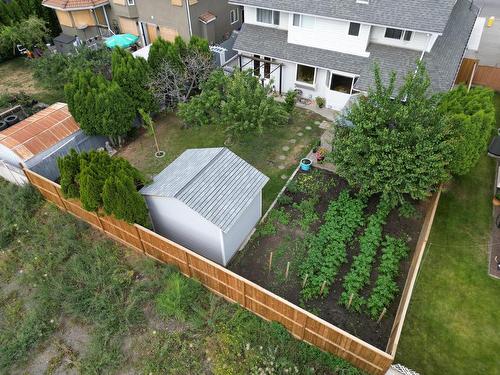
x: 148, y: 19
x: 328, y: 48
x: 36, y: 142
x: 208, y: 200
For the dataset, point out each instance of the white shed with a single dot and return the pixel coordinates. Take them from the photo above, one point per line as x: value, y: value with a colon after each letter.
x: 207, y: 200
x: 37, y: 141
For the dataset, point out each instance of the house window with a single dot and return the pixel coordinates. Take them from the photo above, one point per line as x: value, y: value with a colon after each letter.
x: 233, y: 16
x: 341, y: 83
x: 256, y: 66
x: 398, y: 34
x: 306, y: 74
x: 306, y: 22
x: 267, y: 68
x: 131, y: 2
x: 268, y: 16
x: 354, y: 28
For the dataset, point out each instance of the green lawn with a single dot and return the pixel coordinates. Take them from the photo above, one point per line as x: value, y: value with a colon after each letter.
x: 452, y: 323
x: 262, y: 151
x: 17, y: 76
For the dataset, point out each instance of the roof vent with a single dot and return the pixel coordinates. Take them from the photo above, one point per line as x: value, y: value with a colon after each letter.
x: 362, y: 1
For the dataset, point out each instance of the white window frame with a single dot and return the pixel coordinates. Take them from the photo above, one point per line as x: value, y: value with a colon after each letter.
x: 234, y: 16
x: 313, y: 85
x: 343, y: 74
x: 273, y: 12
x: 130, y: 2
x: 301, y: 23
x: 403, y: 34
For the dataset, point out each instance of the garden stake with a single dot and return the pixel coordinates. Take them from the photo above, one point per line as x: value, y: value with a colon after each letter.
x: 322, y: 287
x: 270, y: 260
x: 286, y: 272
x: 350, y: 300
x: 305, y: 280
x: 381, y: 315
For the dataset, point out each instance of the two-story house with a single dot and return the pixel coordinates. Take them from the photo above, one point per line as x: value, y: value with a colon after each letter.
x: 328, y: 48
x: 148, y: 19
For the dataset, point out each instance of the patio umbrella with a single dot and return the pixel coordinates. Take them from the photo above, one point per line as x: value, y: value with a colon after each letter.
x: 121, y: 40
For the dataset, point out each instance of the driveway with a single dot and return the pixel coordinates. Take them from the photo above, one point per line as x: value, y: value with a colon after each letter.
x: 489, y: 48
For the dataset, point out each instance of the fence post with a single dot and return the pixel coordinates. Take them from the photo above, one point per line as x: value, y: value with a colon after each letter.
x: 140, y: 239
x: 99, y: 221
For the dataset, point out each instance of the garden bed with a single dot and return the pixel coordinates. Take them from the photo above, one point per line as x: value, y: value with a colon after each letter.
x: 290, y: 228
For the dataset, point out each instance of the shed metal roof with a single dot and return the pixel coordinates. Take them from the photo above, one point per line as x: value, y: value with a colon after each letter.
x: 422, y: 15
x: 39, y: 132
x: 214, y: 182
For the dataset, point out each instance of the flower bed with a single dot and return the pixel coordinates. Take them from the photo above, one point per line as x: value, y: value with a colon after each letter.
x: 347, y: 256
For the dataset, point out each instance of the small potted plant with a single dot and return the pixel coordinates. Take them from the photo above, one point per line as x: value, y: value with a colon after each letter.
x: 320, y: 154
x: 321, y: 102
x: 305, y: 165
x: 496, y: 199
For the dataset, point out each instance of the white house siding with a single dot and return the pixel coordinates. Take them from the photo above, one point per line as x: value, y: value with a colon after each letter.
x: 251, y: 18
x: 240, y: 230
x: 179, y: 223
x: 332, y: 35
x: 419, y: 41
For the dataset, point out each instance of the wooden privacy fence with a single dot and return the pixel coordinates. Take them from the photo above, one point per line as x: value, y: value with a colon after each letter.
x: 302, y: 324
x: 482, y: 75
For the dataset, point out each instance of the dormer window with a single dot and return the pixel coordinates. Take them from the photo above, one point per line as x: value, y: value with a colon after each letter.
x: 271, y: 17
x: 306, y: 22
x: 398, y: 34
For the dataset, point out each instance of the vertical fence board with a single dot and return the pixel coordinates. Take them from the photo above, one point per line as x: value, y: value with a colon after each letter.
x: 229, y: 285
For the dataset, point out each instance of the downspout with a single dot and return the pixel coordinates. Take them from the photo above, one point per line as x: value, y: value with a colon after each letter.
x: 188, y: 11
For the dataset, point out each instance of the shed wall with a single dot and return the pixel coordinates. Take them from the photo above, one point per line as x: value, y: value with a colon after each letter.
x: 173, y: 219
x: 9, y: 156
x: 239, y: 232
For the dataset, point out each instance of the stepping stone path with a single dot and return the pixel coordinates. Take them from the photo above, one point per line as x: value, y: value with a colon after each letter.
x: 282, y: 157
x: 285, y: 148
x: 292, y: 141
x: 317, y: 122
x: 308, y: 127
x: 300, y: 134
x: 281, y: 167
x: 284, y: 177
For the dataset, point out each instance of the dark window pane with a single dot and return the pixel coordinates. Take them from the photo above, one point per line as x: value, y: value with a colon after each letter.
x: 296, y: 20
x: 256, y: 66
x: 341, y: 84
x: 267, y: 68
x: 264, y: 15
x: 276, y: 17
x: 306, y: 74
x: 407, y: 36
x: 354, y: 28
x: 393, y: 33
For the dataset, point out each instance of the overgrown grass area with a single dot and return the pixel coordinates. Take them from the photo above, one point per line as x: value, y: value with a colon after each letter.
x: 265, y: 152
x: 451, y: 327
x: 17, y: 76
x: 73, y: 301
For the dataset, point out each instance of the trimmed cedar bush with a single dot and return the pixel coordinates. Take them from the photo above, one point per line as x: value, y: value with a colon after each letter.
x: 100, y: 181
x: 471, y: 115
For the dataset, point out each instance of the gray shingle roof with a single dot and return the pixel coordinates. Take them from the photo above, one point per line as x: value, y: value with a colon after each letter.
x: 442, y: 62
x: 424, y: 15
x: 273, y: 42
x: 214, y: 182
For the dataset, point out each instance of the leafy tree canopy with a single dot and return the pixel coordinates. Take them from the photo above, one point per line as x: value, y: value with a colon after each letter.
x: 28, y: 32
x: 398, y: 143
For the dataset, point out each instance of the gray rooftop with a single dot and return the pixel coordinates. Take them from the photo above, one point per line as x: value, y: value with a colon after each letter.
x: 442, y: 62
x: 273, y: 42
x: 214, y: 182
x: 423, y: 15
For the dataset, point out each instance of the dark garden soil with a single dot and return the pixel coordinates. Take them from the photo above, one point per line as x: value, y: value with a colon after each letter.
x: 287, y: 245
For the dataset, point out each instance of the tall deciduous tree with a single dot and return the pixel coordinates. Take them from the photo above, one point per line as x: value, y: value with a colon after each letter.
x: 28, y: 32
x: 398, y: 143
x: 471, y: 115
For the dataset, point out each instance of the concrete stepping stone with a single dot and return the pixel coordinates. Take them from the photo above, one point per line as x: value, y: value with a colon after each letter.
x: 284, y: 177
x: 300, y: 134
x: 292, y: 141
x: 308, y: 127
x: 281, y: 167
x: 282, y: 157
x: 317, y: 122
x: 285, y: 148
x: 325, y: 125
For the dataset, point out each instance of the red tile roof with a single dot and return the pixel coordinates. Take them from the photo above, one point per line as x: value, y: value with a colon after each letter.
x: 74, y: 4
x: 40, y: 131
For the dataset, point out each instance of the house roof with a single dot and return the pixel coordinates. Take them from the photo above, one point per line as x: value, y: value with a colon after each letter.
x: 207, y: 17
x: 40, y: 131
x: 423, y: 15
x: 273, y: 43
x: 214, y: 182
x: 74, y: 4
x: 442, y: 62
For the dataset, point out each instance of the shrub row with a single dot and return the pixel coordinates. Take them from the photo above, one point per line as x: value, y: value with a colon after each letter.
x: 327, y: 249
x: 385, y: 287
x: 361, y: 268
